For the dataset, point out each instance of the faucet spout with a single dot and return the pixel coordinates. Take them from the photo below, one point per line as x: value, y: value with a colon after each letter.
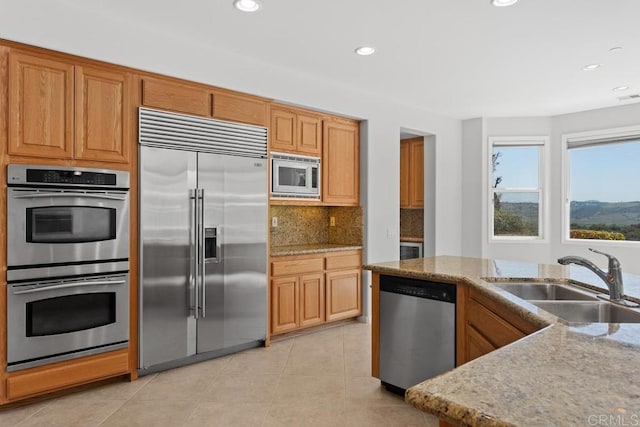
x: 613, y: 277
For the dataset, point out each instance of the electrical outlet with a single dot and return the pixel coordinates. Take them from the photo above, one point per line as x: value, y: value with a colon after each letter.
x: 274, y: 221
x: 332, y: 221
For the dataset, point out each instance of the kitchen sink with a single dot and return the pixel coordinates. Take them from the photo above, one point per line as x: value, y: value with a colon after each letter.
x: 589, y: 311
x: 545, y: 291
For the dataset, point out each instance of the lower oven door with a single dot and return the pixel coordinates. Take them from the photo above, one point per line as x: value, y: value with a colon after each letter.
x: 50, y: 321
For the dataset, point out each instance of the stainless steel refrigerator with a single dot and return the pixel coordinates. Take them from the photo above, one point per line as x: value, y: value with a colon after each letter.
x: 203, y: 238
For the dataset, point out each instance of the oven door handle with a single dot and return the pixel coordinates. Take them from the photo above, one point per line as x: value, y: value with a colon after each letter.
x: 70, y: 285
x: 83, y: 195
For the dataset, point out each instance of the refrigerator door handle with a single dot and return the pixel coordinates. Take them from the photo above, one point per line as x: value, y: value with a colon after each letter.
x: 201, y: 255
x: 193, y: 250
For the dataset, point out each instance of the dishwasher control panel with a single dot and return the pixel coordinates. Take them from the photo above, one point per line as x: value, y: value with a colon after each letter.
x: 418, y: 288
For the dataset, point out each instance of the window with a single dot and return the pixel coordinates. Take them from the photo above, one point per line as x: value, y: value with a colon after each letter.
x: 603, y: 195
x: 516, y: 188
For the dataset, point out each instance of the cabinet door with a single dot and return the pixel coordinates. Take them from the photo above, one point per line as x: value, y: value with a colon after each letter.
x: 309, y: 135
x: 312, y: 299
x: 284, y: 304
x: 167, y: 95
x: 283, y: 131
x: 343, y: 294
x: 416, y: 168
x: 238, y: 108
x: 103, y: 115
x: 340, y: 164
x: 405, y: 175
x: 40, y: 107
x: 476, y: 344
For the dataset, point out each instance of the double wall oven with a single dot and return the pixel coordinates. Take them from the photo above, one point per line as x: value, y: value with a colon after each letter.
x: 67, y: 263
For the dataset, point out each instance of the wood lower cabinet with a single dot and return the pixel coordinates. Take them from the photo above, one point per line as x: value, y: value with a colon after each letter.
x: 485, y: 325
x: 343, y: 294
x: 312, y: 300
x: 58, y: 376
x: 285, y: 305
x: 40, y: 106
x: 309, y: 290
x: 412, y: 173
x: 103, y: 115
x: 297, y: 293
x: 341, y: 163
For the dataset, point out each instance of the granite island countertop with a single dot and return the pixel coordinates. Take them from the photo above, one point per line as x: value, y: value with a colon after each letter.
x: 317, y: 248
x: 563, y: 375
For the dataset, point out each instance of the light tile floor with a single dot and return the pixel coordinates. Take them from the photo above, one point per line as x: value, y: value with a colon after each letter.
x: 319, y: 379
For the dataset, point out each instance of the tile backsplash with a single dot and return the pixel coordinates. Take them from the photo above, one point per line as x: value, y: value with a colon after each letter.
x: 307, y: 225
x: 411, y: 222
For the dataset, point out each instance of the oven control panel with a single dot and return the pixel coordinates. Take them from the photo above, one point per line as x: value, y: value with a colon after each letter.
x: 35, y: 175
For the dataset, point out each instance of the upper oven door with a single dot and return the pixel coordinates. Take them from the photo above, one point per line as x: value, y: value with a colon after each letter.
x: 53, y: 226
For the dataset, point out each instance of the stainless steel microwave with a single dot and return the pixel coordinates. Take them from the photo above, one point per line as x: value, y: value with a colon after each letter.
x: 295, y: 176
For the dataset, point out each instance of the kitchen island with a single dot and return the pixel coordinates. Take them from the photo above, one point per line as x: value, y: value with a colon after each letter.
x: 564, y: 374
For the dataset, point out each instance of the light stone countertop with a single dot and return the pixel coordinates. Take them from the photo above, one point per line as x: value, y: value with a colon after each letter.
x: 275, y: 251
x: 563, y: 375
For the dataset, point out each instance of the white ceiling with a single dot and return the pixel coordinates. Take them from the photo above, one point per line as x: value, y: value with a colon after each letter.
x: 460, y: 58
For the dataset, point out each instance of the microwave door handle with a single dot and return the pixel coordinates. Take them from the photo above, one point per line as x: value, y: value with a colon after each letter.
x: 70, y: 285
x: 63, y: 194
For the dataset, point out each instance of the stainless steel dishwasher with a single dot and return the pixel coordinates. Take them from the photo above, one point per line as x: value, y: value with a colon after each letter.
x: 417, y: 331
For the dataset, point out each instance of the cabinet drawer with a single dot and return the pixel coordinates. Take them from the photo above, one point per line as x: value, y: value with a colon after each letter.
x: 493, y: 327
x: 176, y: 97
x: 337, y: 262
x: 293, y: 267
x: 61, y: 375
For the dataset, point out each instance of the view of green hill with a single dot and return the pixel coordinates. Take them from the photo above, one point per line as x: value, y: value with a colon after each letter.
x: 594, y: 212
x: 621, y: 217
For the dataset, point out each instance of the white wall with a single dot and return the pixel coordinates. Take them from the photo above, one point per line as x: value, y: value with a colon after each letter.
x: 475, y: 134
x: 80, y: 28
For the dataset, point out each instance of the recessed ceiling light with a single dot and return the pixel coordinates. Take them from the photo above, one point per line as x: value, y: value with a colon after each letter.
x: 501, y: 3
x: 620, y: 88
x: 365, y: 50
x: 247, y: 5
x: 591, y: 67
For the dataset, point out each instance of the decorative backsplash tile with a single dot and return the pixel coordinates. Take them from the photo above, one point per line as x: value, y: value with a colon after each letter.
x: 308, y: 225
x: 348, y: 228
x: 411, y: 222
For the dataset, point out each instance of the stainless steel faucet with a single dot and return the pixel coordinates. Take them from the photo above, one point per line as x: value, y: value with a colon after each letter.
x: 613, y: 278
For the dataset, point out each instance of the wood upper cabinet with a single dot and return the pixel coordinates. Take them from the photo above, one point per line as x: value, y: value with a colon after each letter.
x: 295, y: 131
x: 174, y: 96
x: 343, y: 294
x: 61, y: 111
x: 404, y: 175
x: 40, y: 106
x: 103, y: 115
x: 341, y: 163
x: 412, y: 173
x: 239, y: 108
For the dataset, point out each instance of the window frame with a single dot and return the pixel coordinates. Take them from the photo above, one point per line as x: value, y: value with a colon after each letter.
x: 588, y: 138
x: 543, y: 214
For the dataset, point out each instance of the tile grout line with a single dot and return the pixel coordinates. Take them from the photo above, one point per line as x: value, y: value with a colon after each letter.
x: 273, y: 397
